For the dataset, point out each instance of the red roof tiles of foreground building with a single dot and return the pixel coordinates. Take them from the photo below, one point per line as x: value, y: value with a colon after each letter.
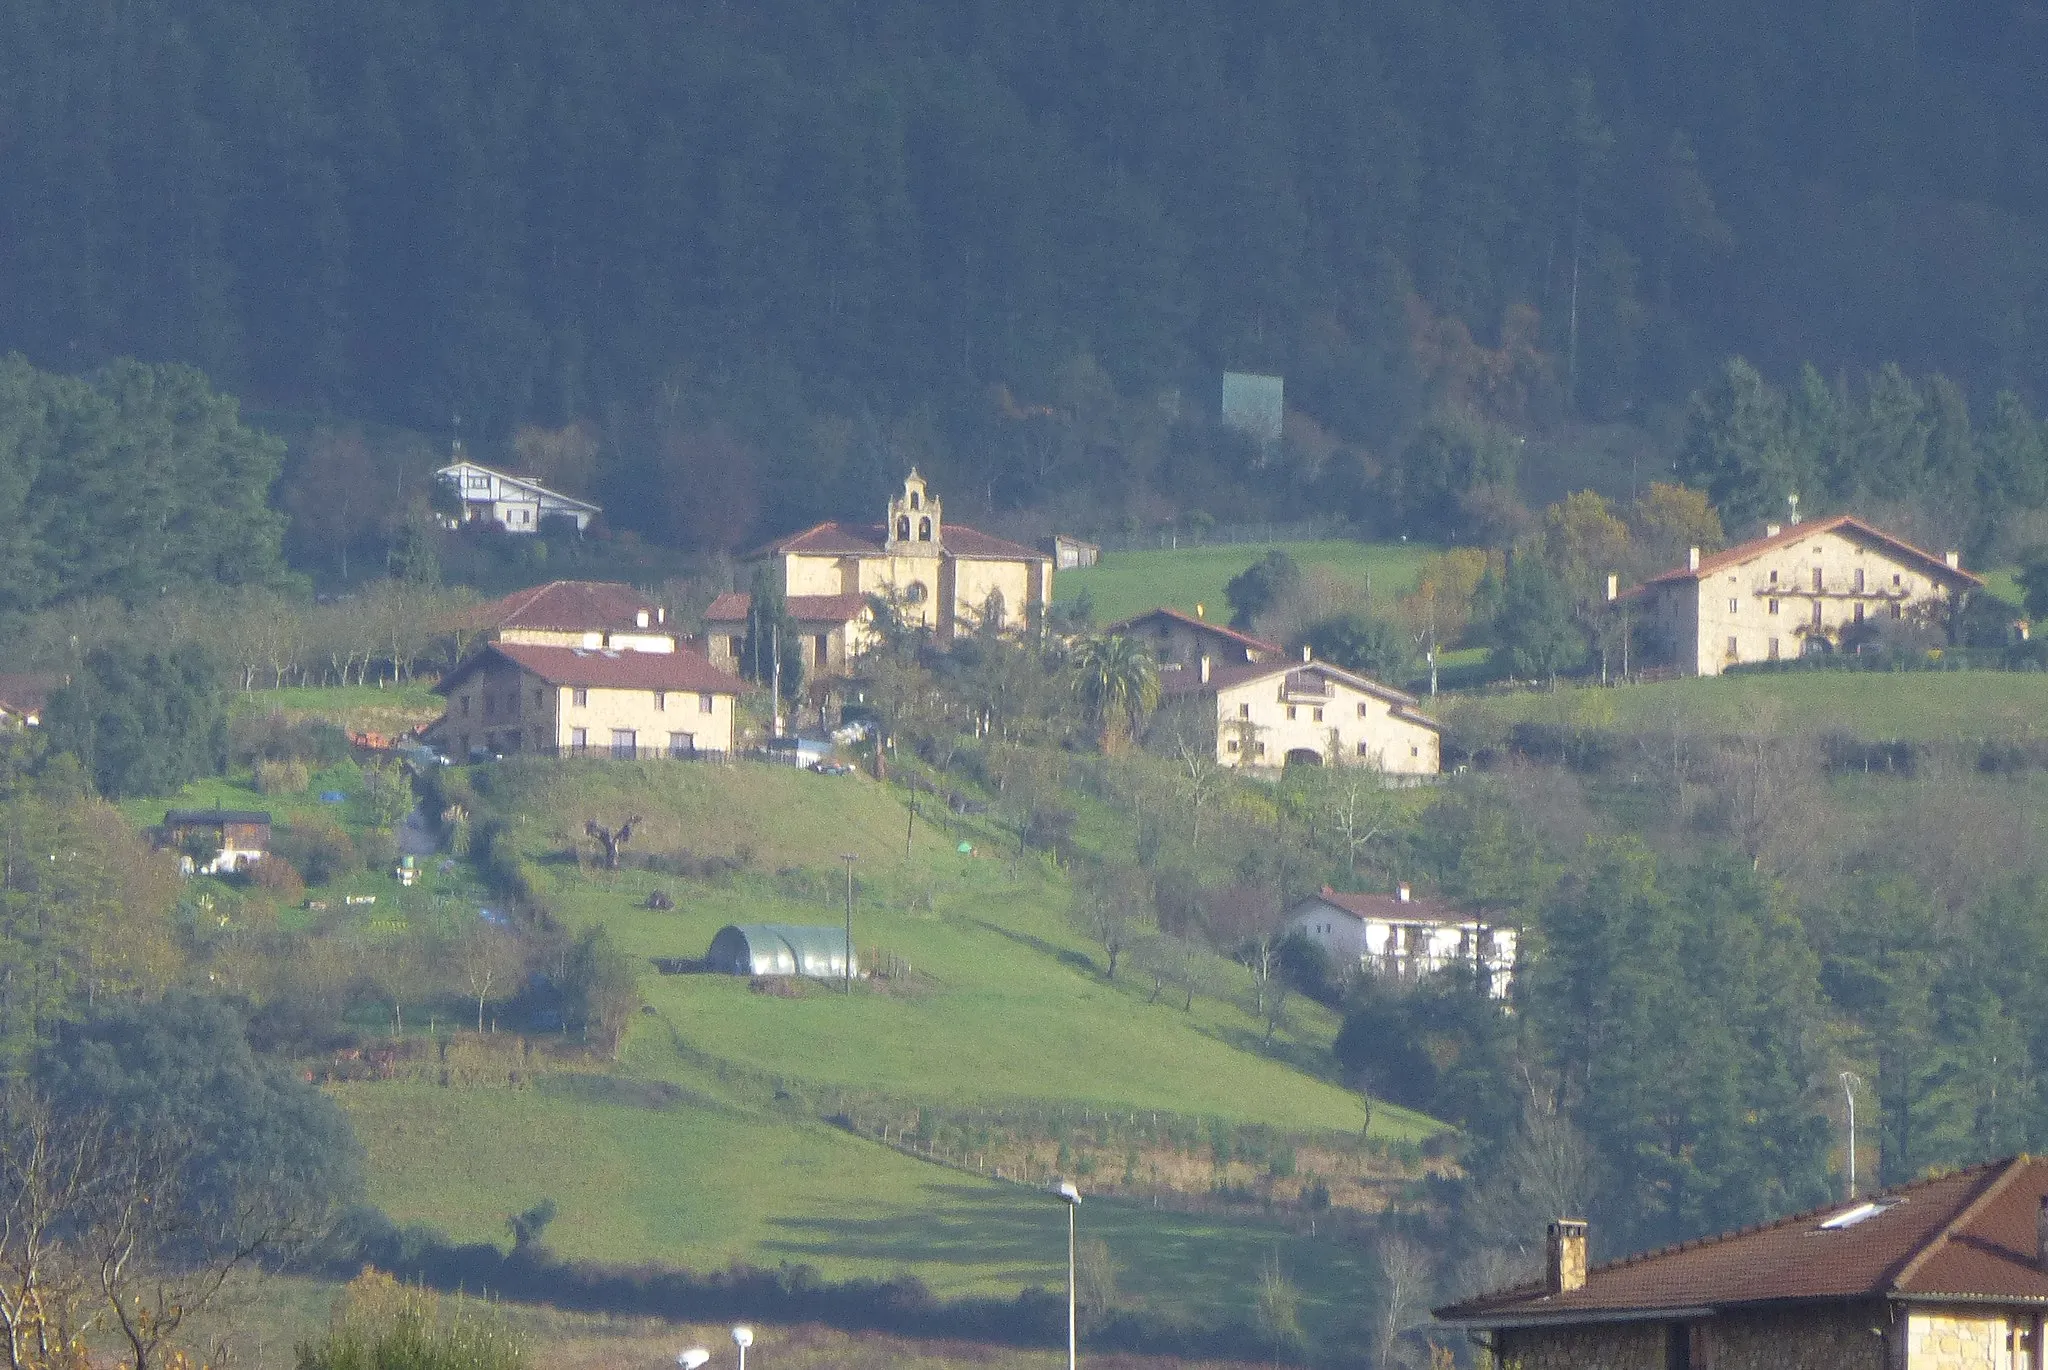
x: 1243, y: 639
x: 732, y: 607
x: 1180, y: 681
x: 1388, y: 906
x: 568, y: 605
x: 1970, y: 1234
x: 1794, y: 533
x: 865, y: 539
x: 682, y: 670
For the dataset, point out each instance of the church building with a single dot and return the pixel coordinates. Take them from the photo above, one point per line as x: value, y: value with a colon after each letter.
x: 949, y: 578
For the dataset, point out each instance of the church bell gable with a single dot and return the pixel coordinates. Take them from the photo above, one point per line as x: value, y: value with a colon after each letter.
x: 914, y: 523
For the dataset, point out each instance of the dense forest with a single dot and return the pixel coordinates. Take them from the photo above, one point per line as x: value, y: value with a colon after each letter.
x: 780, y: 249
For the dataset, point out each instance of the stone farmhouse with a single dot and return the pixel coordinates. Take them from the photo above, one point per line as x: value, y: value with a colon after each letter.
x: 1180, y: 641
x: 1404, y: 938
x: 951, y: 579
x: 1949, y: 1273
x: 519, y: 503
x: 239, y: 838
x: 1801, y: 588
x: 593, y: 614
x: 565, y: 701
x: 1278, y: 713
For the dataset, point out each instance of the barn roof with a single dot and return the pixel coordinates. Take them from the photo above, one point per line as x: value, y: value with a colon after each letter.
x: 1227, y: 633
x: 1792, y: 534
x: 682, y: 670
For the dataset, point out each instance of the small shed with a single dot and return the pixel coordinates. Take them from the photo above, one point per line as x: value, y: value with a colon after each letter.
x: 779, y: 949
x: 1071, y: 553
x: 243, y: 835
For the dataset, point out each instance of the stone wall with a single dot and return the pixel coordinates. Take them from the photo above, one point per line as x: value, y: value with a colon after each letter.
x: 1809, y: 1339
x: 1961, y: 1339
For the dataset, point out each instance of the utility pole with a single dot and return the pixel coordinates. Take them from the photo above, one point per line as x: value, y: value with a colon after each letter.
x: 849, y: 858
x: 910, y: 826
x: 775, y: 689
x: 1849, y: 1079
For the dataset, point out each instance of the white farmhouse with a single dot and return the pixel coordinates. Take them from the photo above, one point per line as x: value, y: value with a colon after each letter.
x: 1274, y: 713
x: 1405, y: 938
x: 519, y: 503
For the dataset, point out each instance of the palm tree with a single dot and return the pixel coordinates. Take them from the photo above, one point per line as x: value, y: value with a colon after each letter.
x: 1117, y: 683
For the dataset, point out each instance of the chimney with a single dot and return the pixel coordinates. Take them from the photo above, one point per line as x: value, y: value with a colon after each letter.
x: 1205, y: 668
x: 1613, y: 587
x: 1954, y: 560
x: 1793, y: 502
x: 1565, y: 1250
x: 1402, y: 893
x: 1307, y: 652
x: 640, y: 619
x: 1772, y: 530
x: 1692, y: 558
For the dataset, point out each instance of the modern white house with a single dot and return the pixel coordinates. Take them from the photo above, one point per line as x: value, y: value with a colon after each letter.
x: 1405, y: 938
x: 519, y: 503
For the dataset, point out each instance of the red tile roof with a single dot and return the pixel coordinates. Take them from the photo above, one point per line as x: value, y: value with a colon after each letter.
x: 1970, y: 1234
x: 1221, y: 630
x: 866, y: 539
x: 1793, y: 533
x: 732, y: 607
x: 682, y: 670
x: 569, y: 605
x: 28, y: 692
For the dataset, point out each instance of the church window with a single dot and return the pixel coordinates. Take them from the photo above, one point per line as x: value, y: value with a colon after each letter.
x: 916, y: 593
x: 924, y: 530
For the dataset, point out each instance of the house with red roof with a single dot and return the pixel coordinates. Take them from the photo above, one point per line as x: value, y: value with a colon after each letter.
x: 1179, y: 641
x: 516, y: 697
x: 1266, y: 715
x: 948, y: 578
x: 1802, y: 588
x: 593, y: 614
x: 1946, y: 1273
x: 1404, y: 938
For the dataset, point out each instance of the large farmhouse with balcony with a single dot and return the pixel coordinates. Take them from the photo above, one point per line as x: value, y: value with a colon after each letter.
x: 948, y: 578
x: 1946, y: 1273
x: 517, y: 503
x: 1279, y: 713
x: 1801, y: 588
x: 522, y: 697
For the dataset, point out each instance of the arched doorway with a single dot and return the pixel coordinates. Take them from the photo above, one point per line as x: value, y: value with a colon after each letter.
x: 1304, y: 756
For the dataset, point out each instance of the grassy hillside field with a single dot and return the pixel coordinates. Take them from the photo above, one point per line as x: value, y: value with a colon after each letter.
x: 1127, y: 583
x: 1919, y: 706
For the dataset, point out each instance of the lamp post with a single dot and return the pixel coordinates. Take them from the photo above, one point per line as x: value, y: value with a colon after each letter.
x: 1072, y: 1196
x: 743, y: 1337
x: 849, y: 858
x: 692, y: 1359
x: 1848, y: 1092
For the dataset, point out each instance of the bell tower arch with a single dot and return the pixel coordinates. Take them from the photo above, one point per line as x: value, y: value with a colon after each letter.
x: 915, y: 523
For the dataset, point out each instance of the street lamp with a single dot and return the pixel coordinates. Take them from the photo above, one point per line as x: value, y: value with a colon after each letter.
x: 1849, y: 1082
x: 693, y: 1358
x: 1072, y: 1196
x: 743, y: 1337
x: 849, y: 858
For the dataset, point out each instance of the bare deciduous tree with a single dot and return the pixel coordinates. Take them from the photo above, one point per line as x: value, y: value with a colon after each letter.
x: 1406, y: 1280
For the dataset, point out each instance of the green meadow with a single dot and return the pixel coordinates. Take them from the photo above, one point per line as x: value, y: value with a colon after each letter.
x: 1127, y: 583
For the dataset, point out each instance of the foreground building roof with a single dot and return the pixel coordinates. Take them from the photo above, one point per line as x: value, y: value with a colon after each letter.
x: 1968, y: 1236
x: 572, y: 605
x: 683, y: 670
x: 1792, y: 534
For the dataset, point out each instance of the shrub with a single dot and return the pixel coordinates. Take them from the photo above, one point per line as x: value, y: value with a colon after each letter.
x: 278, y: 877
x: 319, y: 848
x: 289, y: 776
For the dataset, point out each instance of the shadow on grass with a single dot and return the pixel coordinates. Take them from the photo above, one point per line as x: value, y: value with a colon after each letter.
x: 1072, y: 960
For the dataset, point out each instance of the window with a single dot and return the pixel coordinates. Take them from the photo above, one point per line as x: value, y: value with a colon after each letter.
x: 1677, y: 1346
x: 1734, y: 604
x: 916, y: 593
x: 1859, y: 611
x: 579, y: 738
x: 1361, y: 711
x: 1291, y: 713
x: 540, y: 697
x: 1818, y: 583
x: 916, y: 500
x: 1231, y: 745
x: 1319, y: 715
x: 661, y: 701
x: 1774, y: 606
x: 924, y: 530
x: 1774, y: 577
x: 580, y: 697
x: 625, y: 744
x: 1260, y: 748
x: 824, y: 649
x: 1898, y: 609
x: 1731, y: 649
x: 477, y: 482
x: 1244, y: 711
x: 682, y: 744
x: 1774, y: 649
x: 705, y: 704
x: 1415, y: 751
x: 1365, y: 749
x: 1859, y: 580
x: 1895, y: 578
